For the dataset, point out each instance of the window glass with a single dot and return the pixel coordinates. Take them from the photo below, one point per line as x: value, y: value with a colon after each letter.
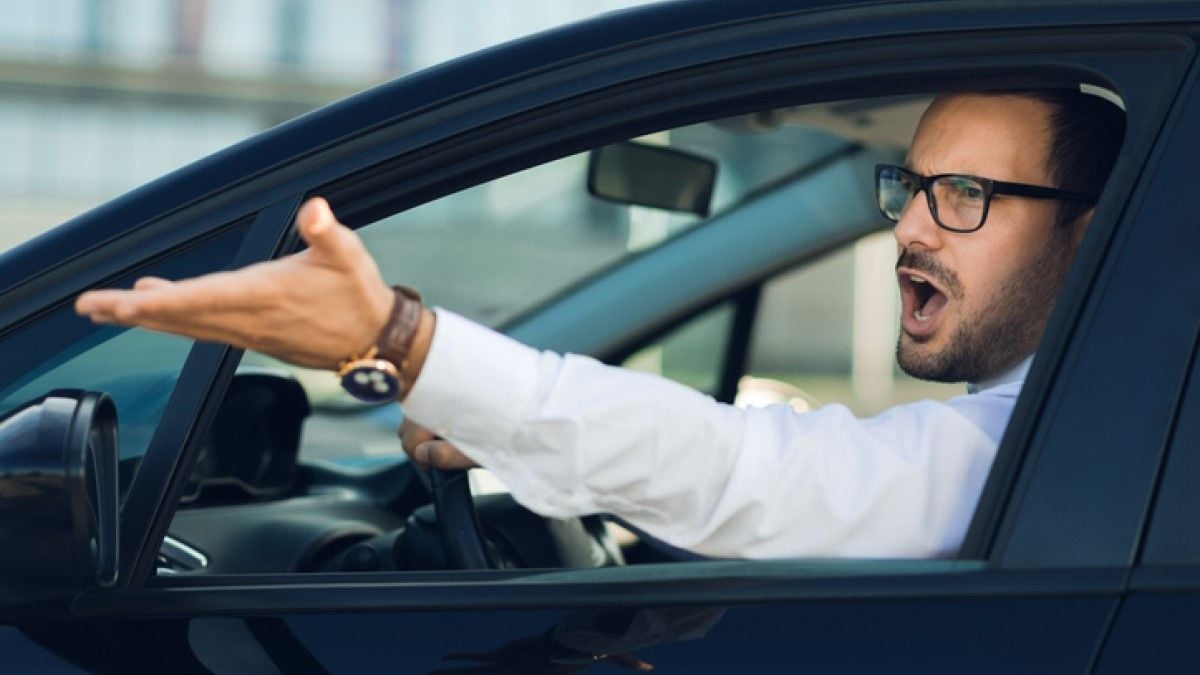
x: 824, y: 332
x: 500, y: 249
x: 827, y: 332
x: 692, y: 354
x: 137, y: 368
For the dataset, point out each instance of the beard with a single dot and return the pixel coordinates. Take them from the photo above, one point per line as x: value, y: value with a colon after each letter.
x: 997, y: 337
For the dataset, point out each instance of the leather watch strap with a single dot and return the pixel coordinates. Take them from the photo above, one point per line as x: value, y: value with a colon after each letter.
x: 396, y: 339
x: 380, y: 374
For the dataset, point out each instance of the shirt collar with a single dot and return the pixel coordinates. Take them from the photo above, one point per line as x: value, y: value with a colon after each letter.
x: 1017, y: 374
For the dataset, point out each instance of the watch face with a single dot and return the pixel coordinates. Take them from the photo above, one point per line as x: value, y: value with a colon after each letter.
x: 372, y: 381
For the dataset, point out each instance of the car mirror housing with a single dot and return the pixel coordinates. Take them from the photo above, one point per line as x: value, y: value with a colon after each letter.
x: 652, y: 176
x: 58, y: 498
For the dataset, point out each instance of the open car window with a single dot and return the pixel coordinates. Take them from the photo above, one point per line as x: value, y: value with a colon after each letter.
x: 823, y: 332
x: 503, y: 250
x: 498, y: 250
x: 289, y: 444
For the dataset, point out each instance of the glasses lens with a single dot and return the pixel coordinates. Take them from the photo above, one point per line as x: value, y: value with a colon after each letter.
x: 893, y: 190
x: 960, y: 202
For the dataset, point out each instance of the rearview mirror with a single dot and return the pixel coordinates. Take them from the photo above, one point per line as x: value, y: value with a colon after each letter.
x: 653, y: 176
x: 58, y: 498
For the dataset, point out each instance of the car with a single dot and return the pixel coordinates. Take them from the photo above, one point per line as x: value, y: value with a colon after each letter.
x: 179, y: 506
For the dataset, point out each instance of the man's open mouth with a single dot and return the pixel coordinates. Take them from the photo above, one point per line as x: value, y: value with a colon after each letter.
x: 923, y: 301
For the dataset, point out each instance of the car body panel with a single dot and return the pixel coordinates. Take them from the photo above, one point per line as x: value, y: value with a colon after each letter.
x: 1052, y: 546
x: 1094, y: 422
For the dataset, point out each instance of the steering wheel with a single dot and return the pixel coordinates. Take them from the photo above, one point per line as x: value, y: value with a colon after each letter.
x: 458, y: 523
x: 514, y: 536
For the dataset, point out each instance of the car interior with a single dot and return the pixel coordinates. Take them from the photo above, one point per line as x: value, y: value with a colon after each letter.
x: 295, y: 476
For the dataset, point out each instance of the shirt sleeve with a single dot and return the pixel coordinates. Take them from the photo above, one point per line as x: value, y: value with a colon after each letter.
x: 571, y: 436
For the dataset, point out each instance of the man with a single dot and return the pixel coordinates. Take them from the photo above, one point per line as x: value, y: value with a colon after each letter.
x: 994, y: 198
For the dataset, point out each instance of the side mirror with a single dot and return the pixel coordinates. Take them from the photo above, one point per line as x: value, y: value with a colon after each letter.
x: 653, y: 176
x: 58, y: 498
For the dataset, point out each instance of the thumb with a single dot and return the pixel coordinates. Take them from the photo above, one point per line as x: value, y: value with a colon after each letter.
x: 440, y: 454
x: 327, y: 238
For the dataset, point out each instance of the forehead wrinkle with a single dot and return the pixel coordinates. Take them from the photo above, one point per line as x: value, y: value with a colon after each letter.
x: 986, y: 135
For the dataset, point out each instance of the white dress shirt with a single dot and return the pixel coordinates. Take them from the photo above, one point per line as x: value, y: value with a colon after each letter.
x: 571, y: 436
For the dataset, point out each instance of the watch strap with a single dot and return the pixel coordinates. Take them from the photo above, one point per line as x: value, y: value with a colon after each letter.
x: 396, y: 339
x: 379, y: 374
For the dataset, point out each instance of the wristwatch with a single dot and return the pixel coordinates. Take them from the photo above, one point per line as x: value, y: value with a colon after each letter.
x: 377, y: 375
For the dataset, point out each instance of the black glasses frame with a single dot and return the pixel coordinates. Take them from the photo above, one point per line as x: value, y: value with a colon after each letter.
x: 990, y: 187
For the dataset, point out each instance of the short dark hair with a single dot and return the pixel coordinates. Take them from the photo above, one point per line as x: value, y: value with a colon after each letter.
x: 1086, y: 132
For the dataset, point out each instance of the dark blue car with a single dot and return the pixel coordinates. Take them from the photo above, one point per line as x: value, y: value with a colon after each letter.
x: 168, y: 506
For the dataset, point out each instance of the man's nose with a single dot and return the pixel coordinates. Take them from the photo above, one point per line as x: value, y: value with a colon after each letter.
x: 917, y: 226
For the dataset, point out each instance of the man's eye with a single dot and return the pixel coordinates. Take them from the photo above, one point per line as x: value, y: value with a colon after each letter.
x: 964, y: 189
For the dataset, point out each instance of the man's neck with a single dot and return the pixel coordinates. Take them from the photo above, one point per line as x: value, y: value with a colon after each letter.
x: 1015, y: 374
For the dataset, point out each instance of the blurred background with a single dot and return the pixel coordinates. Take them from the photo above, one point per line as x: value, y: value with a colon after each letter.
x: 100, y: 96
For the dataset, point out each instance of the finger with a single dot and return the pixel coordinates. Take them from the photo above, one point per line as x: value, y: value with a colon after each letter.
x: 212, y: 326
x: 101, y: 306
x: 412, y: 435
x: 220, y: 290
x: 104, y: 310
x: 421, y: 453
x: 91, y: 302
x: 261, y: 326
x: 150, y: 282
x: 329, y: 240
x: 441, y: 455
x: 196, y: 331
x: 248, y: 288
x: 101, y: 317
x: 147, y: 289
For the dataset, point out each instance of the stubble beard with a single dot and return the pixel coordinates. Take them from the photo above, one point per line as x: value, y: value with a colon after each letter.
x: 1002, y: 334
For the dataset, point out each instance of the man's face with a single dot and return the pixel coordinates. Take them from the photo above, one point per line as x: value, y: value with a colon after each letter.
x: 975, y: 304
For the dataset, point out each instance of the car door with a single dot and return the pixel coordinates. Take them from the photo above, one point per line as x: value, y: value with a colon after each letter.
x: 1030, y: 594
x: 1153, y: 628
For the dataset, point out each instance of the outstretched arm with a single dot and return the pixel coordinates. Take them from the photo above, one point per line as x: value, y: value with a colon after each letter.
x: 314, y: 308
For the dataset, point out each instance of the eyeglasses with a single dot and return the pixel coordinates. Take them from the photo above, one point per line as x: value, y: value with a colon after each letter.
x: 958, y: 202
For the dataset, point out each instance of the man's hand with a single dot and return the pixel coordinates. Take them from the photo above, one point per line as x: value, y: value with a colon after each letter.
x: 313, y: 309
x: 426, y: 449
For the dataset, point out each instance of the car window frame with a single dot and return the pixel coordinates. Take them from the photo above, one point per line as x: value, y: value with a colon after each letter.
x: 193, y: 405
x: 352, y: 218
x: 215, y: 368
x: 54, y: 289
x: 1020, y: 510
x: 1170, y: 514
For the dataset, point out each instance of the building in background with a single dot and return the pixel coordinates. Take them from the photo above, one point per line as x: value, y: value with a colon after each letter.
x: 100, y: 96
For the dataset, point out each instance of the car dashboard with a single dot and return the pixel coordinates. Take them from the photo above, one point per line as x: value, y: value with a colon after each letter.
x: 254, y: 505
